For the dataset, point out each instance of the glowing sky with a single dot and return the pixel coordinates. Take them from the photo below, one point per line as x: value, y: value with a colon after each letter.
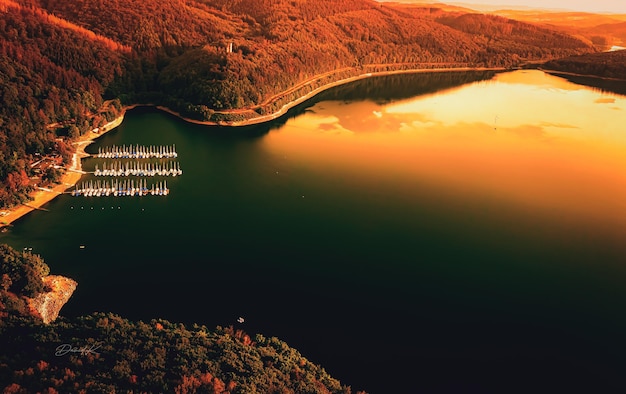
x: 614, y: 6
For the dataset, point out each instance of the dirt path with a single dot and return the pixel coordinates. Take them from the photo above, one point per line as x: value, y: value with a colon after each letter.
x: 70, y: 178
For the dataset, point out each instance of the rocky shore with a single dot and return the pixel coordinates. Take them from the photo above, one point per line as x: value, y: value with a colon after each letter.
x: 48, y: 305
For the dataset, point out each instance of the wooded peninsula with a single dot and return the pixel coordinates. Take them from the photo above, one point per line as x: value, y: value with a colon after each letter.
x: 105, y: 353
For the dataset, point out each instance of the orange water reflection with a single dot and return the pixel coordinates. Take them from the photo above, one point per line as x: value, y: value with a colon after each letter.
x: 524, y: 138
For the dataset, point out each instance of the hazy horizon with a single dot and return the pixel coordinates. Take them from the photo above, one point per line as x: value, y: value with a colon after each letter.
x: 598, y: 6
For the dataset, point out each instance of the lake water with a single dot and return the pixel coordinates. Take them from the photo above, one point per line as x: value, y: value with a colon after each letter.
x: 452, y: 232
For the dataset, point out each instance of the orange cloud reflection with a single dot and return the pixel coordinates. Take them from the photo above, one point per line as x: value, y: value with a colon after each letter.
x: 539, y: 143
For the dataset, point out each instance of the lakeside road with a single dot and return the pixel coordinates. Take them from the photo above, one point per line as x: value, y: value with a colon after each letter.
x: 572, y: 74
x: 285, y: 108
x: 70, y: 178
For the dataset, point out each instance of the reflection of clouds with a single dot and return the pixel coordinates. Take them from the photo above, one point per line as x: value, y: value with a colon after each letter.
x: 361, y: 118
x: 605, y: 100
x: 529, y: 131
x: 358, y: 117
x: 538, y: 131
x: 421, y: 119
x: 559, y: 125
x: 537, y: 79
x: 481, y: 133
x: 538, y: 147
x: 327, y: 126
x: 515, y: 106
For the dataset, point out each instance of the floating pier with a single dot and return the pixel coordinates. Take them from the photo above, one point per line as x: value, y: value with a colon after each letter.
x: 137, y: 152
x: 119, y: 185
x: 139, y: 169
x: 120, y: 188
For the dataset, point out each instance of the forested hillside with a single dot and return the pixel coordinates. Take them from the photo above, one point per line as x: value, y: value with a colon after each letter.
x: 61, y: 60
x: 602, y: 30
x: 119, y: 355
x: 606, y: 64
x: 48, y: 73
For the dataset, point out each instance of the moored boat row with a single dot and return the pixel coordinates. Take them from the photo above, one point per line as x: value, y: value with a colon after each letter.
x: 137, y: 152
x: 120, y: 187
x: 139, y: 169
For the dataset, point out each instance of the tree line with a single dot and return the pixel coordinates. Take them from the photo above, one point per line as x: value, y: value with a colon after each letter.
x: 605, y: 64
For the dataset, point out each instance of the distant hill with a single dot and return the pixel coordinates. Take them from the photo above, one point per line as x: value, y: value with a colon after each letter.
x: 608, y: 34
x: 601, y: 30
x: 605, y: 65
x: 61, y: 60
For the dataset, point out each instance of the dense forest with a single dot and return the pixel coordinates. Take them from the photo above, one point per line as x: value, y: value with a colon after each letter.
x: 112, y: 354
x: 69, y: 67
x: 605, y: 64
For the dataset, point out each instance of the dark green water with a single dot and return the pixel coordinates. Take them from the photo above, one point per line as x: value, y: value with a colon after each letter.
x: 411, y: 234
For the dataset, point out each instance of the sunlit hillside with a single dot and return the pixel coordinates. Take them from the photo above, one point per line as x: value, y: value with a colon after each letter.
x: 201, y: 57
x: 603, y: 30
x: 128, y: 356
x: 606, y: 65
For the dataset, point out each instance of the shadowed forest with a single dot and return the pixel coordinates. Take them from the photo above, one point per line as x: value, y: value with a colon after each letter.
x: 121, y: 355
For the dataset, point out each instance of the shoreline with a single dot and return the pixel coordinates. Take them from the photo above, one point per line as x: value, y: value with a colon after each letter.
x: 73, y: 174
x: 70, y: 178
x: 571, y: 74
x: 285, y: 108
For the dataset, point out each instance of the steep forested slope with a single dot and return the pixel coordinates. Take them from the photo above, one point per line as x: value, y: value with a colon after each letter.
x: 147, y: 25
x: 277, y: 44
x: 300, y: 39
x: 605, y: 64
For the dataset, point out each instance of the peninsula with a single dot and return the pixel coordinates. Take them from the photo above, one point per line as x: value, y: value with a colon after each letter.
x: 59, y: 355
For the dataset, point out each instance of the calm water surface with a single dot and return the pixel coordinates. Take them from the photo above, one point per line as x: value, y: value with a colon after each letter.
x: 427, y: 233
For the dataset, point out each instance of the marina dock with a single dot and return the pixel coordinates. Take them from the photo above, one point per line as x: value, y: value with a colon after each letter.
x: 120, y: 188
x: 119, y: 184
x: 137, y: 168
x: 137, y: 152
